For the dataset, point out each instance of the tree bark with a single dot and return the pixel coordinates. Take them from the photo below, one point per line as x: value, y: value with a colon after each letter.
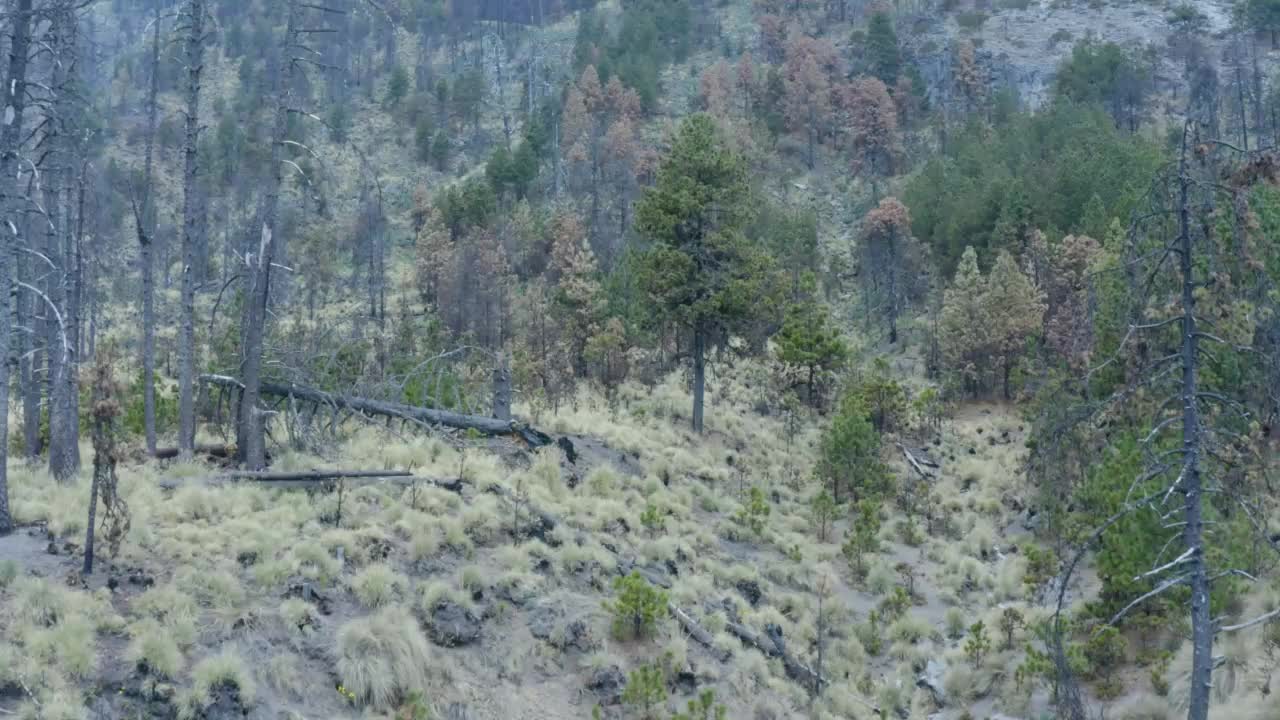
x: 191, y: 221
x: 699, y: 374
x: 143, y: 215
x: 10, y: 142
x: 1193, y: 533
x: 250, y: 430
x: 64, y: 425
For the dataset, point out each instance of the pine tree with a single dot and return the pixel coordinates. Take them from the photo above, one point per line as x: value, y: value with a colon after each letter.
x: 808, y: 341
x: 701, y: 273
x: 849, y: 453
x: 883, y: 58
x: 893, y: 261
x: 962, y: 325
x: 1015, y: 310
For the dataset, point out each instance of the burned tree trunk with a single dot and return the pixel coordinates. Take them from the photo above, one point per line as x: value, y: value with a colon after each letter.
x: 11, y: 205
x: 250, y: 428
x: 64, y: 425
x: 191, y: 221
x: 115, y: 520
x: 143, y: 214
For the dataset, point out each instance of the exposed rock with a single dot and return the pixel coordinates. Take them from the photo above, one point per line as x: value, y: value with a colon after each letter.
x: 607, y: 684
x: 306, y: 591
x: 931, y: 679
x: 548, y: 622
x: 451, y: 625
x: 570, y: 453
x: 1032, y: 521
x: 750, y: 590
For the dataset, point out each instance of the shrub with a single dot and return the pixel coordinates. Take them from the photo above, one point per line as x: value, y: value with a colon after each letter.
x: 224, y: 670
x: 1010, y: 621
x: 646, y: 689
x: 637, y: 606
x: 153, y: 649
x: 8, y: 572
x: 652, y: 519
x: 1105, y: 651
x: 383, y: 657
x: 955, y: 623
x: 377, y: 585
x: 754, y: 514
x: 977, y: 645
x: 703, y: 707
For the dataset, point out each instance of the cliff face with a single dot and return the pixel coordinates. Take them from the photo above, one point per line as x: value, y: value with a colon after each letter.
x: 1022, y: 48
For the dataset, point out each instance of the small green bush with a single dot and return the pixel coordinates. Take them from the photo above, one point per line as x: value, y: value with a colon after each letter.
x: 646, y: 690
x: 637, y: 606
x: 977, y: 645
x: 755, y: 512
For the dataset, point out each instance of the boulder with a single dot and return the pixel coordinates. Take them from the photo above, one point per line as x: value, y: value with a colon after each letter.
x: 931, y: 679
x: 452, y: 625
x: 750, y: 590
x: 607, y: 684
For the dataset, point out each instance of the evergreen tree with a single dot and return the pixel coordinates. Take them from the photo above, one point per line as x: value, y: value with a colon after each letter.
x: 962, y: 326
x: 423, y: 135
x: 440, y: 151
x: 397, y: 86
x: 849, y: 454
x: 701, y: 273
x: 883, y: 58
x: 808, y: 341
x: 1015, y: 310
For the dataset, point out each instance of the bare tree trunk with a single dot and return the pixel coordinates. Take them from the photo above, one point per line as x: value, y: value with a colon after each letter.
x: 10, y: 141
x: 1193, y: 533
x: 145, y: 230
x: 64, y: 430
x: 250, y: 430
x: 699, y: 374
x: 191, y: 221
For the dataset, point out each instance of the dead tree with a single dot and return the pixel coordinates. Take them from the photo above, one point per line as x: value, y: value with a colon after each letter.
x: 1197, y: 437
x: 12, y: 205
x: 61, y: 171
x: 115, y: 513
x: 250, y: 427
x: 143, y: 215
x: 193, y: 18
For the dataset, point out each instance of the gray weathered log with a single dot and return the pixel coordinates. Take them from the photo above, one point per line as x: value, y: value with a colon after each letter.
x: 212, y: 450
x: 316, y: 475
x: 430, y: 416
x: 770, y: 646
x: 697, y: 632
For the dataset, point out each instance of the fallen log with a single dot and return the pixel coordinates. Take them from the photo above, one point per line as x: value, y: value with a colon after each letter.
x: 428, y: 416
x: 212, y: 450
x: 546, y: 521
x: 772, y: 646
x: 917, y: 463
x: 697, y: 632
x: 312, y: 475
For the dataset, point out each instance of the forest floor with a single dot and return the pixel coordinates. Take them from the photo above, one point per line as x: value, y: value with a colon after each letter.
x: 231, y: 600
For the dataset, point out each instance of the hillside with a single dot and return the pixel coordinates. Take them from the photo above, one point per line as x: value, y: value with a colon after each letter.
x: 655, y: 359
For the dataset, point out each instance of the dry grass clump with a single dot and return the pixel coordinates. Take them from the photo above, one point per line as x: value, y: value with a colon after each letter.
x: 153, y: 649
x: 378, y: 585
x: 383, y: 657
x: 50, y: 643
x: 226, y: 670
